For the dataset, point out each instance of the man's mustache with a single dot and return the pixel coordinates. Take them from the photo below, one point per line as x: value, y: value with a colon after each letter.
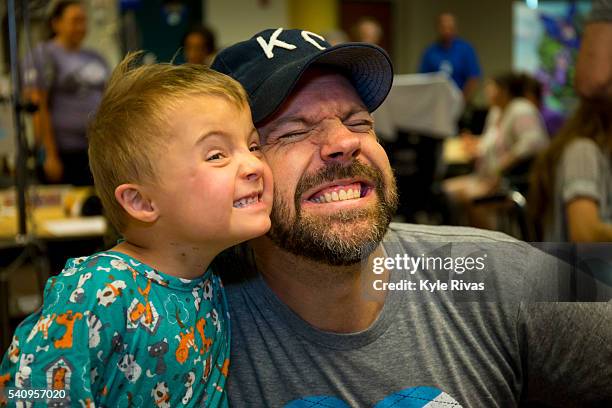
x: 336, y: 171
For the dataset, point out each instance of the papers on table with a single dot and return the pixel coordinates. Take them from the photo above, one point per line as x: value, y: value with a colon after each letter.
x: 425, y: 103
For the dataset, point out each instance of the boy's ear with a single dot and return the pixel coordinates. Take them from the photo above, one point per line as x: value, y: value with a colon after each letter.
x: 136, y: 203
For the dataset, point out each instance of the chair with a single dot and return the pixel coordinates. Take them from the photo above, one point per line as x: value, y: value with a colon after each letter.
x: 510, y: 208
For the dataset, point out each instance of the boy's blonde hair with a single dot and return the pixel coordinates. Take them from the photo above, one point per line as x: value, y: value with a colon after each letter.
x: 130, y: 125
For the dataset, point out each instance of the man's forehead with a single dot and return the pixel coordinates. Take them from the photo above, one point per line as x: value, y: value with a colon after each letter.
x: 321, y: 90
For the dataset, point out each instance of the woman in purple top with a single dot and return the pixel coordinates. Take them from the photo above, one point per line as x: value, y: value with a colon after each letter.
x: 66, y: 82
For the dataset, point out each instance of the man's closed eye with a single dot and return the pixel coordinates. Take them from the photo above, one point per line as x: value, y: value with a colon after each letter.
x: 361, y: 126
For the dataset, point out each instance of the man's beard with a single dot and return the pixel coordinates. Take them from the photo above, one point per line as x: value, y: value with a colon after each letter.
x: 343, y: 238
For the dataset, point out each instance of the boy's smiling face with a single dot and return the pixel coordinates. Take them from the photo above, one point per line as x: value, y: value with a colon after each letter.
x: 213, y: 184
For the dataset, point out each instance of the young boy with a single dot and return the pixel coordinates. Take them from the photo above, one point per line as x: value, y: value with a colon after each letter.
x: 176, y: 162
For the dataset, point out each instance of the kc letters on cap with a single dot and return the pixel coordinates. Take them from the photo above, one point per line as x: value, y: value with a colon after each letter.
x: 268, y: 47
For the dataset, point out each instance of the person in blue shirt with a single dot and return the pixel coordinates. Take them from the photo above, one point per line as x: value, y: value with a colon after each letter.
x: 454, y: 56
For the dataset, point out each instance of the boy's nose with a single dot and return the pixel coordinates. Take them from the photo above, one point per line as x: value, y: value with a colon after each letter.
x: 252, y: 167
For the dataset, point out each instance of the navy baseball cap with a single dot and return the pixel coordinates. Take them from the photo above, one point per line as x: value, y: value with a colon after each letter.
x: 270, y: 64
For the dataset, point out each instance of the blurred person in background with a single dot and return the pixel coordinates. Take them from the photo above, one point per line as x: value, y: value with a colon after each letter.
x: 454, y: 56
x: 514, y: 133
x: 594, y: 65
x: 199, y: 46
x: 534, y: 91
x: 571, y: 185
x: 66, y: 82
x: 368, y: 29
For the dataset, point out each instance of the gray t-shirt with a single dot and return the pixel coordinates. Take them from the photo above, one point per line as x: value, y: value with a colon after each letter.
x: 601, y: 11
x: 444, y: 347
x: 583, y: 171
x: 74, y: 81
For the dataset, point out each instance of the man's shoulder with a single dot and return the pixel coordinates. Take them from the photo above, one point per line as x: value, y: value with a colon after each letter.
x: 509, y: 262
x: 443, y: 233
x: 505, y: 264
x: 432, y: 49
x: 463, y: 43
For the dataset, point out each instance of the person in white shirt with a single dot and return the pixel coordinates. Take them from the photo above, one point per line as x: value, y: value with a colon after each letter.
x: 514, y: 133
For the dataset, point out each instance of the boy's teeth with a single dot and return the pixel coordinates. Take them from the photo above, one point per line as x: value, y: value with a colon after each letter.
x: 245, y: 201
x: 340, y: 195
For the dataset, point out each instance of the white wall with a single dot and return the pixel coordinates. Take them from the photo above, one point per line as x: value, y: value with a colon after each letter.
x: 238, y: 20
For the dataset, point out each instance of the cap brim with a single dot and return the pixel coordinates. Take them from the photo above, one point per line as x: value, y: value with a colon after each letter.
x: 367, y: 66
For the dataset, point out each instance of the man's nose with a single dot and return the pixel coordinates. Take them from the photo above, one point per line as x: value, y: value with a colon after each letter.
x: 340, y: 144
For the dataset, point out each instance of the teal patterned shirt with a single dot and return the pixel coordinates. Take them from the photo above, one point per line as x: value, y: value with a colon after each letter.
x: 115, y: 332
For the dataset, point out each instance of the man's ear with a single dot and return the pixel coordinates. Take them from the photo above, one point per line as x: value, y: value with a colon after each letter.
x: 136, y: 203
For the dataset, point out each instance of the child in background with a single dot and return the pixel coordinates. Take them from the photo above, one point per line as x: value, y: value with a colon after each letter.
x: 176, y: 162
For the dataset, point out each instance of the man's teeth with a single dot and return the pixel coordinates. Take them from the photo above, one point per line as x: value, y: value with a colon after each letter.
x: 340, y: 195
x: 245, y: 201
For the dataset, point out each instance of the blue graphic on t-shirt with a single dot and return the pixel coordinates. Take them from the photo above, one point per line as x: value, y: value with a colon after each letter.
x: 414, y: 397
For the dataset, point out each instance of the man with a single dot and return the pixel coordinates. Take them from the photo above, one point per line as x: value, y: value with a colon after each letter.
x: 594, y: 66
x: 310, y: 326
x: 454, y: 56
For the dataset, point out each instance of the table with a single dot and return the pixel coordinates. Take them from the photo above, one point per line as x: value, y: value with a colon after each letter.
x: 53, y: 212
x: 454, y: 153
x: 54, y: 225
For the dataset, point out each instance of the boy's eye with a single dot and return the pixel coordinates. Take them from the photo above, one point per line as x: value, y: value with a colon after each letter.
x: 215, y: 156
x: 255, y: 148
